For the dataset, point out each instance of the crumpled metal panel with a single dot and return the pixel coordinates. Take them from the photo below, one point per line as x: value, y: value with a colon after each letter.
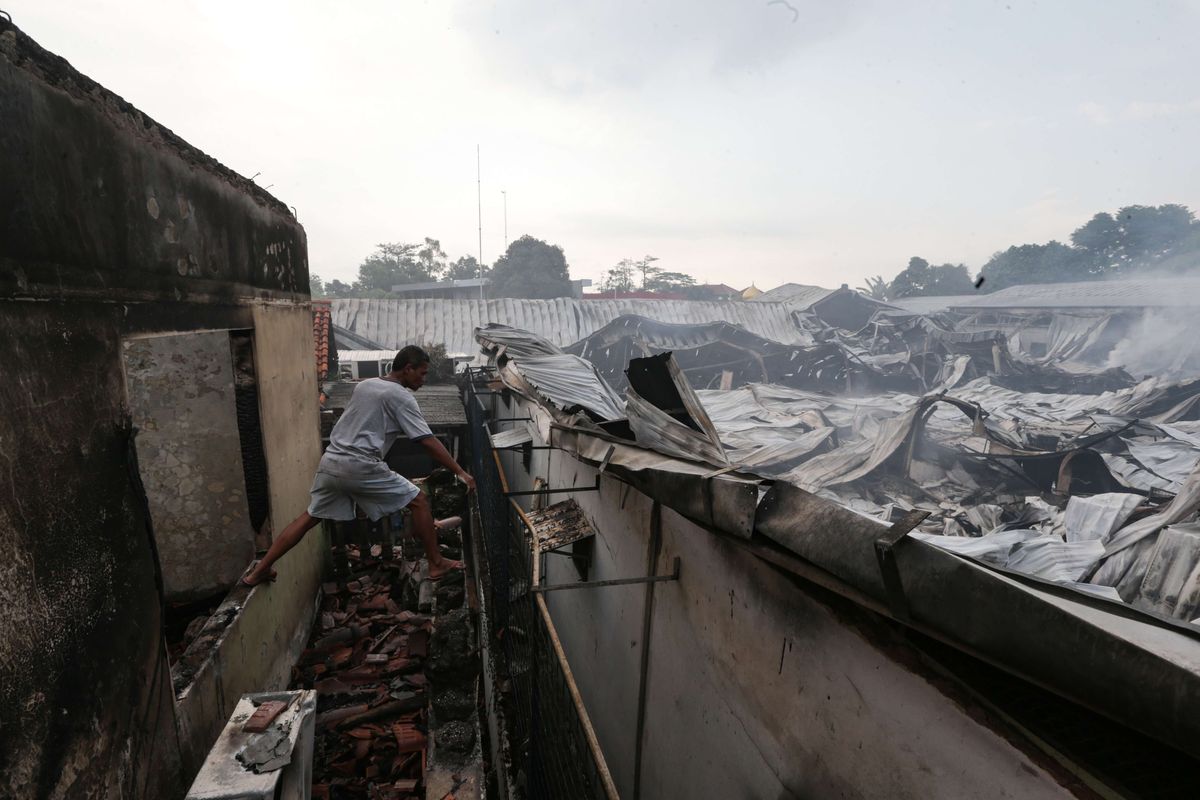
x: 1171, y: 584
x: 568, y: 381
x: 1137, y: 670
x: 1099, y: 516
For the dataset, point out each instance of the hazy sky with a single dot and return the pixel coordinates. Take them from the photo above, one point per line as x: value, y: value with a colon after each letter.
x: 739, y: 141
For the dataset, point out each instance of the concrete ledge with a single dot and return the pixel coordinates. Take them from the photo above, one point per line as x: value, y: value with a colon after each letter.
x: 257, y: 651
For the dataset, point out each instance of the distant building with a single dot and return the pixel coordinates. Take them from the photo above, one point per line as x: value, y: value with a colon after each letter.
x: 717, y: 291
x: 634, y: 296
x: 465, y: 289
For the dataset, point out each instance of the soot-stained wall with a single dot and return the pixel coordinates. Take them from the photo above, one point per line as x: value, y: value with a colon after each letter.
x: 110, y: 227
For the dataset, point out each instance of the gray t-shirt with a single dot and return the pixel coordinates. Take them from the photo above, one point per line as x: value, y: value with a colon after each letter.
x: 378, y: 412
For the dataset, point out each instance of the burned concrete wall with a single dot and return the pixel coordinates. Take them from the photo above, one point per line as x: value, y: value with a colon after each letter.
x: 181, y: 396
x: 111, y: 227
x: 85, y: 699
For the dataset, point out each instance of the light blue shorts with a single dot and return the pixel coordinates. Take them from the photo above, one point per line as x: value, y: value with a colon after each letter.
x: 375, y: 489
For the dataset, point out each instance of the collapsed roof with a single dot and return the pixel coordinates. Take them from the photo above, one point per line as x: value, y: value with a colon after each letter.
x: 1072, y: 496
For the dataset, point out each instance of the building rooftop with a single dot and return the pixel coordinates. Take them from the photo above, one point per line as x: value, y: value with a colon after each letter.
x: 462, y: 283
x: 1133, y: 293
x: 931, y: 305
x: 794, y: 293
x: 440, y: 404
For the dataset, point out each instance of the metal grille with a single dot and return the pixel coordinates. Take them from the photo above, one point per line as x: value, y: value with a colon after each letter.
x: 546, y: 742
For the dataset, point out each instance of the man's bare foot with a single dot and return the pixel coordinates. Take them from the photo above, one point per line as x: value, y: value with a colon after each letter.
x: 443, y: 568
x: 254, y: 576
x: 447, y: 524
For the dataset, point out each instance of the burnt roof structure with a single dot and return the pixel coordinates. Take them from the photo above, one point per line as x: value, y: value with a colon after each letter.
x: 1068, y: 519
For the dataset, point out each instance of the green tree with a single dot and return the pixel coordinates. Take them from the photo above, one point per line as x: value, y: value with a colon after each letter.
x: 648, y: 272
x: 663, y: 281
x: 1052, y: 262
x: 315, y: 287
x: 432, y: 259
x: 531, y: 268
x: 620, y: 277
x: 1135, y: 237
x: 395, y: 263
x: 336, y: 288
x: 875, y: 288
x: 465, y: 268
x: 920, y: 279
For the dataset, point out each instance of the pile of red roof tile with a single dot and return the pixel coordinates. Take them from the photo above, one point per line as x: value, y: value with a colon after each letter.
x: 322, y: 325
x: 366, y: 661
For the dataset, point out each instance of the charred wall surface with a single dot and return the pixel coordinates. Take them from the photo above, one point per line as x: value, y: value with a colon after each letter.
x: 110, y: 227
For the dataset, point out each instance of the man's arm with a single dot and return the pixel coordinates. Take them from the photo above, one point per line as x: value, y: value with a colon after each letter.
x: 442, y: 456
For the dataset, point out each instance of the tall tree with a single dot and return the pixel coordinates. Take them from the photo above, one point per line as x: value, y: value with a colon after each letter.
x: 432, y: 258
x: 647, y: 271
x: 316, y: 288
x: 663, y: 281
x: 531, y: 268
x: 396, y: 263
x: 1052, y: 262
x: 465, y: 268
x: 920, y: 279
x: 620, y: 277
x: 1135, y: 237
x: 336, y: 288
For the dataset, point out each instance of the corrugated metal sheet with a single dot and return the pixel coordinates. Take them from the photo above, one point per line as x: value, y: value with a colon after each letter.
x: 346, y: 356
x: 452, y: 323
x: 795, y: 294
x: 1176, y: 293
x: 928, y: 305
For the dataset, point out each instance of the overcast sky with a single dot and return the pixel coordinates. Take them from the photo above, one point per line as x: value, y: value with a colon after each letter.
x: 738, y: 140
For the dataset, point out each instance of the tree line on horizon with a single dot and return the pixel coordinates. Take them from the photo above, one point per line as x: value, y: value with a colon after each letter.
x: 529, y: 268
x: 1133, y: 241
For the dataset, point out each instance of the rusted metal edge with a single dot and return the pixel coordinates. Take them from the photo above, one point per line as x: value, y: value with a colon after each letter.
x: 610, y: 788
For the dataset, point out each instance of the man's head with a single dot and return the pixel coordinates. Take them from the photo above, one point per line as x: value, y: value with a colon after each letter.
x: 409, y: 367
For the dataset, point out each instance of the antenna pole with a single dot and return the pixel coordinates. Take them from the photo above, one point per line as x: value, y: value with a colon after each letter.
x: 479, y: 211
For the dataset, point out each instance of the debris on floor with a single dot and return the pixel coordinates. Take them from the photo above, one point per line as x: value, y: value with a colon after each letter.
x: 372, y: 646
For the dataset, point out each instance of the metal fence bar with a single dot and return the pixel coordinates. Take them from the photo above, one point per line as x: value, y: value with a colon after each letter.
x: 550, y: 740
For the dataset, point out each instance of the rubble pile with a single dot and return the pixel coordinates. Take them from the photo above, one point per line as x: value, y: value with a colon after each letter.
x: 373, y: 659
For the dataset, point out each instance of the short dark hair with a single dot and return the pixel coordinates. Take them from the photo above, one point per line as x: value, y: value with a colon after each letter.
x: 410, y: 356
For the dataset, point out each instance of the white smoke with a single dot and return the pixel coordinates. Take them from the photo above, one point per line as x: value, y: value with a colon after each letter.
x: 1162, y: 343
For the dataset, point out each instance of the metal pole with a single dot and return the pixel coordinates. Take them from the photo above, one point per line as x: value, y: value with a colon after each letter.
x: 479, y: 211
x: 654, y: 549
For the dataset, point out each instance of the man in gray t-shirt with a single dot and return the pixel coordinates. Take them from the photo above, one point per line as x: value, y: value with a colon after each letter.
x: 352, y: 470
